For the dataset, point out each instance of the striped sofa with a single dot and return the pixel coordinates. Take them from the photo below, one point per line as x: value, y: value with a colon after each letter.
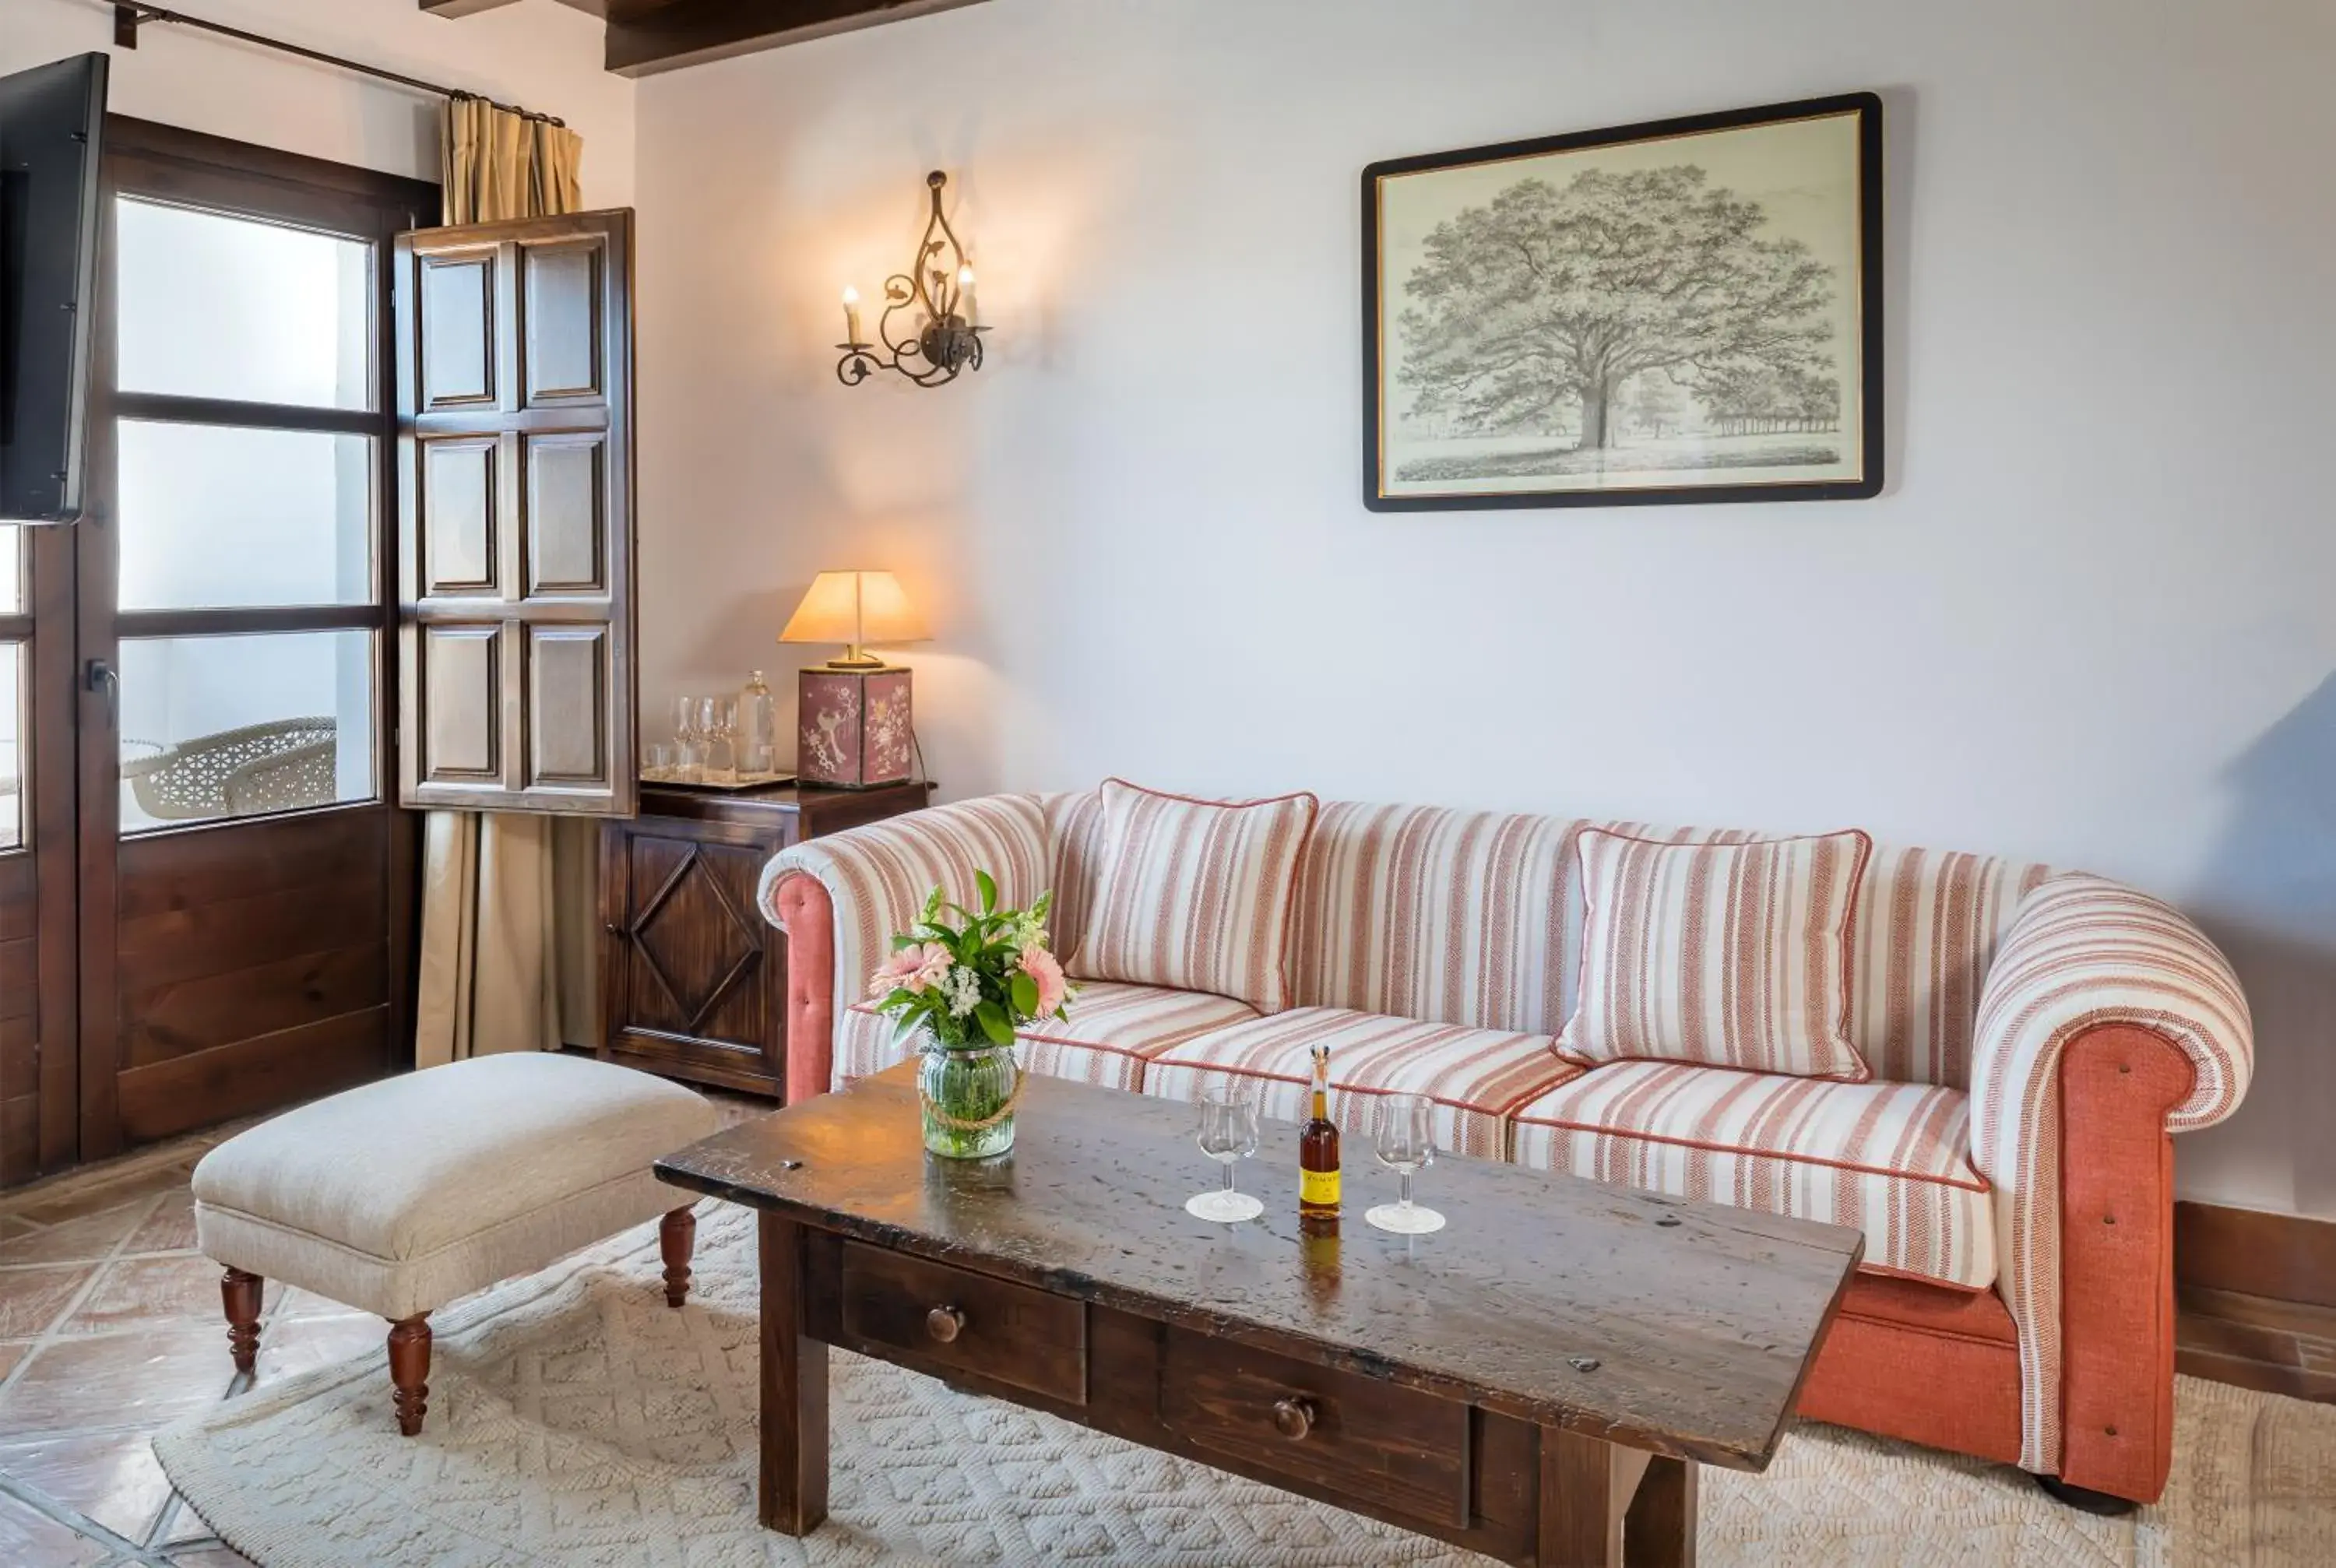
x: 2034, y: 1037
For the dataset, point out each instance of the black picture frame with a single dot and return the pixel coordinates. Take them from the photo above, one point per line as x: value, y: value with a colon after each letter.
x: 1865, y: 386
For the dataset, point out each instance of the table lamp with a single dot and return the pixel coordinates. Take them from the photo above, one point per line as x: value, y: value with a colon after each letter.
x: 852, y: 714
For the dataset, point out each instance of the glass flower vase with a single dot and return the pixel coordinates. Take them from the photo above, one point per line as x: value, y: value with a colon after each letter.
x: 968, y: 1097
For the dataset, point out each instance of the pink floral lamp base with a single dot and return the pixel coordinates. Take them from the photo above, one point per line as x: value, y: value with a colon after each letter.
x: 852, y: 728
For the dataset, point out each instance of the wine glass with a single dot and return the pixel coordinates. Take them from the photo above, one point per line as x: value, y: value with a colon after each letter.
x: 1405, y: 1141
x: 685, y: 735
x: 1227, y: 1133
x: 716, y: 724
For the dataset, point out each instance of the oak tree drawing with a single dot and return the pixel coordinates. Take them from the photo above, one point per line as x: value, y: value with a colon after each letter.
x: 1601, y: 298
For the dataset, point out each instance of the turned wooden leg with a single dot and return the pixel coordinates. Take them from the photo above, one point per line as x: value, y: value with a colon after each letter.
x: 239, y: 1292
x: 409, y: 1371
x: 677, y: 1236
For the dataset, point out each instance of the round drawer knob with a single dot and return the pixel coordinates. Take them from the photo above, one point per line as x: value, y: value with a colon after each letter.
x: 945, y: 1324
x: 1293, y: 1418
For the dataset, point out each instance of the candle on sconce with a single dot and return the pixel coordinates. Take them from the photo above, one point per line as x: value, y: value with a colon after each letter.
x: 938, y: 338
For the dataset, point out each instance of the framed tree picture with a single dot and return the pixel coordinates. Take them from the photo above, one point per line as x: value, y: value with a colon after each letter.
x: 1687, y: 310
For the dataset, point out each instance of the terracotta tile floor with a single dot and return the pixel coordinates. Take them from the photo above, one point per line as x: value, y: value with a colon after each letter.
x: 111, y: 1328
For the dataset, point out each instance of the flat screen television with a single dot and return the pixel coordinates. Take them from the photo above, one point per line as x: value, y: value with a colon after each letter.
x: 51, y: 120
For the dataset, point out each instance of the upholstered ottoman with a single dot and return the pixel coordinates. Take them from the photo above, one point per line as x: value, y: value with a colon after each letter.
x: 401, y: 1195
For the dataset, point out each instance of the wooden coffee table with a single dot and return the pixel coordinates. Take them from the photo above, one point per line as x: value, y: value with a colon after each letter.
x: 1538, y: 1381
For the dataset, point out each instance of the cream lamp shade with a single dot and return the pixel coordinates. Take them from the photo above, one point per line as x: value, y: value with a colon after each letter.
x: 855, y: 609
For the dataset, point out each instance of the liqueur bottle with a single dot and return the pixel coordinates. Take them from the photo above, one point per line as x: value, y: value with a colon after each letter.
x: 1317, y: 1153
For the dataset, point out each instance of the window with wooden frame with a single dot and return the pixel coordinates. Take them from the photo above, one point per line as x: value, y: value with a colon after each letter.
x: 245, y: 882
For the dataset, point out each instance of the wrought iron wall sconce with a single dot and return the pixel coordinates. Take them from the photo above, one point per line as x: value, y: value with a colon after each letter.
x: 946, y: 338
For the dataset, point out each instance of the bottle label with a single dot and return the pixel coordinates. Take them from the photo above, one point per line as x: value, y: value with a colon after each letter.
x: 1319, y: 1189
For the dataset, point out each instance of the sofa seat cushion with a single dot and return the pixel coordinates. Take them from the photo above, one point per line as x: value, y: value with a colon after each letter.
x: 400, y: 1195
x: 1113, y: 1030
x: 1477, y: 1077
x: 1892, y: 1159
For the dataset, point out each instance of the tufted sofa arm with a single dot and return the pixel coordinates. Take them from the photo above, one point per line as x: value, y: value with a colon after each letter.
x: 840, y: 898
x: 2084, y: 952
x: 2107, y: 1021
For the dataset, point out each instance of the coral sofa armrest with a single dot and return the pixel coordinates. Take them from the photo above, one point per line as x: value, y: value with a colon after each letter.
x: 840, y: 898
x: 2107, y: 1021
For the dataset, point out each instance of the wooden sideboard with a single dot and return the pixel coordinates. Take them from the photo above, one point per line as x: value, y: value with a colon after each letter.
x: 692, y: 979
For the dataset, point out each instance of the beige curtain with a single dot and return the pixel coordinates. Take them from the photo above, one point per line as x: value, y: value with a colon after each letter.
x: 498, y: 164
x: 509, y: 940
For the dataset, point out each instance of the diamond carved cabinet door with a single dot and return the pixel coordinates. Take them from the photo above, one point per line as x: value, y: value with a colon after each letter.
x: 515, y: 637
x: 695, y: 971
x: 692, y: 979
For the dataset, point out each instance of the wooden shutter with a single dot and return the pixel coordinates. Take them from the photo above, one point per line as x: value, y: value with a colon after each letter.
x: 515, y: 516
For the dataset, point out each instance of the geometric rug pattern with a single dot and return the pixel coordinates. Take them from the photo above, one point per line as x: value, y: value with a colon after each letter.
x: 575, y: 1419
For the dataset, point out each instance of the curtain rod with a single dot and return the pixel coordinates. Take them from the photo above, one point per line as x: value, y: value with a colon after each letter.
x: 128, y: 19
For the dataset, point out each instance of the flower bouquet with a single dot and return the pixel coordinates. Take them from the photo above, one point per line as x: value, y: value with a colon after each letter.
x: 965, y: 982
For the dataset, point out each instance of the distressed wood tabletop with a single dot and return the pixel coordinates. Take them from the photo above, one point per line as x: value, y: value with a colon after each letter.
x: 1680, y: 1327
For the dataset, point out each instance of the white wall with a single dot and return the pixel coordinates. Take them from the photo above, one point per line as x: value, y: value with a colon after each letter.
x: 543, y: 55
x: 2090, y: 622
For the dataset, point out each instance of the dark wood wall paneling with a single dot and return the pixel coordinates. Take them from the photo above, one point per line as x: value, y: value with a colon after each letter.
x: 2257, y: 1298
x: 39, y: 1010
x: 20, y: 993
x: 253, y: 968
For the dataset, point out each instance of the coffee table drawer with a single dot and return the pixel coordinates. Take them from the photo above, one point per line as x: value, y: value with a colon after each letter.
x: 946, y: 1319
x: 1350, y: 1434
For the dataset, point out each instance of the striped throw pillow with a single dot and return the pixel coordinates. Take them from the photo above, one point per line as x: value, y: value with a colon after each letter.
x: 1730, y: 955
x: 1196, y: 895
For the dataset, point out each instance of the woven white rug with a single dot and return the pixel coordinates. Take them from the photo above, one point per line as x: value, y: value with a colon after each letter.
x: 574, y: 1419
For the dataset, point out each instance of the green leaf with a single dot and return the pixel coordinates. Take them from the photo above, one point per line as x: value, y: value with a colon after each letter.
x: 988, y: 887
x: 932, y: 905
x: 994, y: 1023
x: 1026, y: 995
x: 1045, y: 902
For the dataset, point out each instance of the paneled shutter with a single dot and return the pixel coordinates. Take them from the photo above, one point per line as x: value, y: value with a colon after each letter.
x: 515, y: 516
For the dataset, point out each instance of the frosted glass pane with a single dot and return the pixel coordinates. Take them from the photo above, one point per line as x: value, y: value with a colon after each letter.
x: 11, y: 569
x: 231, y: 726
x: 214, y: 306
x: 221, y: 517
x: 12, y: 721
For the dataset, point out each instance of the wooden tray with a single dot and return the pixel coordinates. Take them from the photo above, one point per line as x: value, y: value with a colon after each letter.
x: 745, y: 781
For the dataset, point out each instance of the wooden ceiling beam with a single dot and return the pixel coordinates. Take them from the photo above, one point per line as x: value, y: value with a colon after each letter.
x: 647, y: 36
x: 461, y: 7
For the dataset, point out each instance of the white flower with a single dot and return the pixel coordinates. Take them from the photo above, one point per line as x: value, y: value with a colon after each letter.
x: 962, y: 987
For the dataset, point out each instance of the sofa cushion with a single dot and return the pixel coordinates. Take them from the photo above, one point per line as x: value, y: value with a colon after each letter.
x: 1424, y: 912
x: 1730, y: 955
x: 1477, y: 1077
x: 1113, y: 1030
x: 1476, y: 918
x: 1892, y: 1159
x: 1196, y: 895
